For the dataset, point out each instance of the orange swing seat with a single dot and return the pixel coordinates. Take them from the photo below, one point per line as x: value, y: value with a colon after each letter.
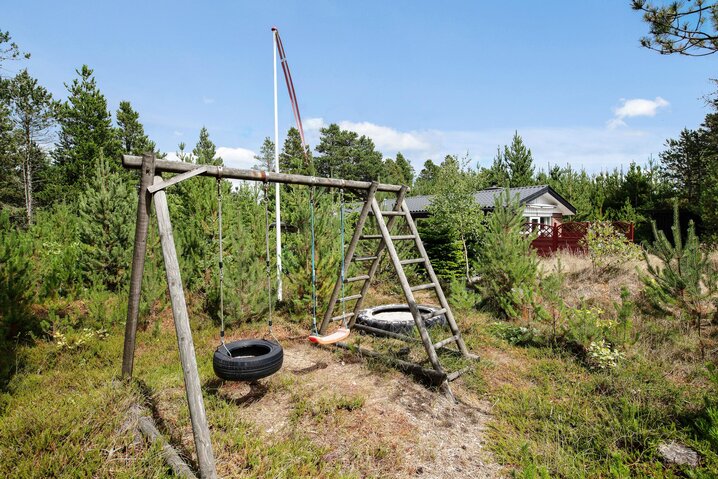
x: 339, y: 335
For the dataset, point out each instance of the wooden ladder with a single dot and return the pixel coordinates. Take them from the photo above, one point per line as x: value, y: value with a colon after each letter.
x: 386, y: 243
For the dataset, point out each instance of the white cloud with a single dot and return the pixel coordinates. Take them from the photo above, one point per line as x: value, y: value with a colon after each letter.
x: 593, y: 148
x: 636, y: 107
x: 177, y: 133
x: 314, y: 124
x: 236, y: 157
x: 207, y: 101
x: 385, y: 137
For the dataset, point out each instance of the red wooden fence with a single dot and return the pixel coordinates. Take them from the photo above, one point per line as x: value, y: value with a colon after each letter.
x: 567, y: 236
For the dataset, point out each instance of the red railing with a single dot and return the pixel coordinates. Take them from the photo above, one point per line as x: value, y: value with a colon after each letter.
x: 567, y: 236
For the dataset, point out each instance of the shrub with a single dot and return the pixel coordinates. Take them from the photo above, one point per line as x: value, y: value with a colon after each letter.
x: 608, y: 248
x: 16, y: 285
x: 506, y: 264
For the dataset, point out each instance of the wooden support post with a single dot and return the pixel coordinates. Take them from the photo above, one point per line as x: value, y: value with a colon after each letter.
x: 349, y: 255
x: 200, y: 428
x: 138, y: 262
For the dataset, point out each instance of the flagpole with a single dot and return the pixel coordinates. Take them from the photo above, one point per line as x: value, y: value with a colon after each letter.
x: 278, y: 222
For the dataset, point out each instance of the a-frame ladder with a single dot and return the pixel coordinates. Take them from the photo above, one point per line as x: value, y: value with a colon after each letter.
x: 386, y: 243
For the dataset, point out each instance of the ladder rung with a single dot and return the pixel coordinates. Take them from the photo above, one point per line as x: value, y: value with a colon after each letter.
x: 434, y: 314
x: 342, y: 316
x: 446, y: 341
x: 423, y: 286
x: 363, y: 277
x: 393, y: 213
x: 394, y: 238
x: 349, y: 298
x: 456, y: 374
x: 388, y: 334
x: 412, y: 261
x: 364, y: 258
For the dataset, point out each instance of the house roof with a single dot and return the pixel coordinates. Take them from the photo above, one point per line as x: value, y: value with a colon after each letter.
x: 485, y: 198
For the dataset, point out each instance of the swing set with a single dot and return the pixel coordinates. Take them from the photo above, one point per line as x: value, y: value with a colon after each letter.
x: 249, y: 360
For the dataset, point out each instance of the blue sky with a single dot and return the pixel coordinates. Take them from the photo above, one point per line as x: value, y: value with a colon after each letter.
x: 425, y: 78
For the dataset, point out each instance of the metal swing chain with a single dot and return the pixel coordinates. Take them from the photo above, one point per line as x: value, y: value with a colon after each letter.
x: 314, y: 269
x: 221, y: 261
x: 341, y: 252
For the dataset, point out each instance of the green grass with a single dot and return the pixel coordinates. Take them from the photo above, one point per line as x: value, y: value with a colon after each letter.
x: 63, y: 412
x: 554, y: 417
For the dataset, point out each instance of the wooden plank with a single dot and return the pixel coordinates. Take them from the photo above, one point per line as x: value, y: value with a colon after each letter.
x: 412, y: 261
x: 176, y: 179
x: 165, y: 166
x: 365, y: 258
x: 446, y: 341
x: 354, y: 279
x: 147, y: 427
x: 348, y: 257
x: 388, y: 334
x: 349, y: 298
x: 423, y: 286
x: 193, y: 388
x: 394, y: 238
x: 144, y: 203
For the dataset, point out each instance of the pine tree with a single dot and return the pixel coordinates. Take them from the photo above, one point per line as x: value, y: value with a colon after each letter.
x: 345, y: 154
x: 130, y: 131
x: 292, y: 159
x: 506, y: 263
x: 32, y: 112
x: 205, y: 151
x: 265, y: 158
x: 86, y: 132
x: 407, y: 171
x: 499, y: 171
x: 107, y: 211
x: 685, y: 277
x: 519, y: 162
x: 424, y: 184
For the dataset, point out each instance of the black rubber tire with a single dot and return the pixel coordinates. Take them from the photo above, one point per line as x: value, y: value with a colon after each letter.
x: 368, y: 317
x: 251, y: 359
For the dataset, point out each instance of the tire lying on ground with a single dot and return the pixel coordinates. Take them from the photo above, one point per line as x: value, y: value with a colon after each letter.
x: 397, y: 318
x: 250, y: 359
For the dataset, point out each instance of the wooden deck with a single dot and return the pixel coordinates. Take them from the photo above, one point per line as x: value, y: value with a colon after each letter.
x: 568, y: 236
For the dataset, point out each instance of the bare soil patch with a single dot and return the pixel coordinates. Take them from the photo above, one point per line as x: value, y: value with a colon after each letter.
x: 373, y: 421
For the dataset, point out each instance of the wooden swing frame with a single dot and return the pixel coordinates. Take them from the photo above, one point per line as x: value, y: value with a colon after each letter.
x: 152, y: 187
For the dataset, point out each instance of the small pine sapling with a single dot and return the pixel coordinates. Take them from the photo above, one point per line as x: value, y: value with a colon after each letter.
x: 685, y: 278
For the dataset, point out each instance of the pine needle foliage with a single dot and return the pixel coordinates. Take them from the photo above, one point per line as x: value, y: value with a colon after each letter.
x: 685, y: 277
x: 506, y: 263
x: 107, y: 220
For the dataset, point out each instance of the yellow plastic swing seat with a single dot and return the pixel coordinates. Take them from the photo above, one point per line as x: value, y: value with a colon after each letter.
x: 338, y: 335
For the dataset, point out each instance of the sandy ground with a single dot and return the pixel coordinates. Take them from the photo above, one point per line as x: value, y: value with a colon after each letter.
x: 401, y: 430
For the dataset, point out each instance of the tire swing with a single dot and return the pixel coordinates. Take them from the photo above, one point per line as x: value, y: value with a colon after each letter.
x: 246, y: 359
x: 342, y: 332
